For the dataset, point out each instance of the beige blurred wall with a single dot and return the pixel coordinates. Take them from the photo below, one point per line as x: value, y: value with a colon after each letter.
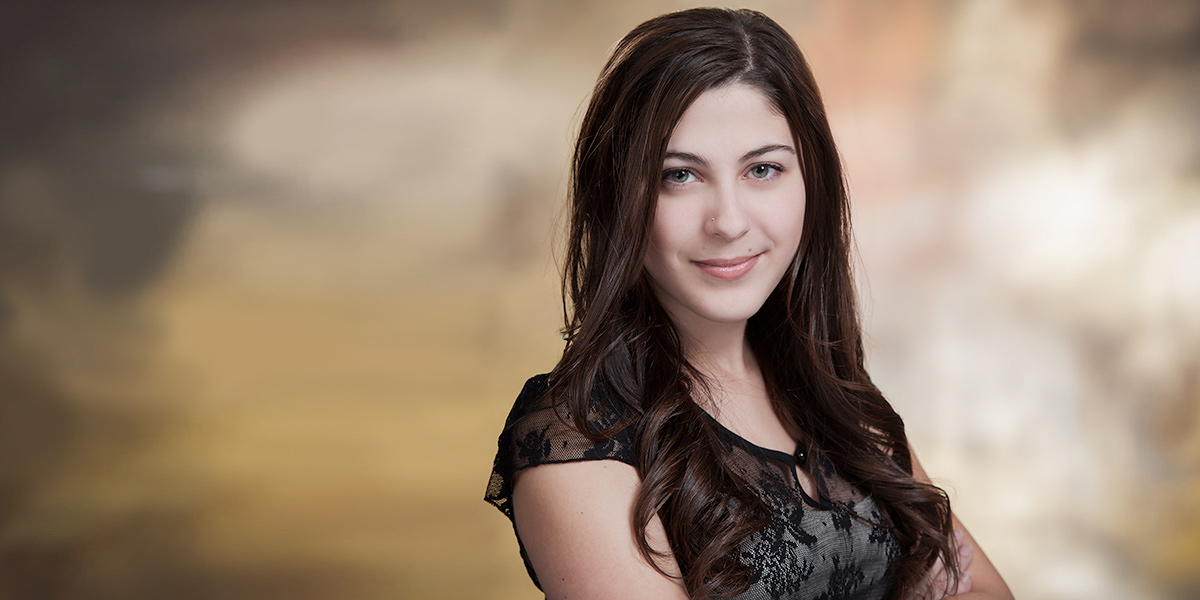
x: 271, y: 275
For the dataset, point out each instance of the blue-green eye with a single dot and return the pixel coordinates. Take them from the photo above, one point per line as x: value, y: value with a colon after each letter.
x: 763, y: 171
x: 678, y: 176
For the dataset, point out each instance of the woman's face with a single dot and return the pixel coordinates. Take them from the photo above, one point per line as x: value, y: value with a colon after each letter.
x: 730, y: 209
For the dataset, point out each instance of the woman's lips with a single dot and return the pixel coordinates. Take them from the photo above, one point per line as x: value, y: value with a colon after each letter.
x: 727, y: 268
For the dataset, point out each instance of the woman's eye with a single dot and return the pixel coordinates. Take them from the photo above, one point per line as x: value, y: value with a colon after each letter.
x: 763, y: 171
x: 678, y: 176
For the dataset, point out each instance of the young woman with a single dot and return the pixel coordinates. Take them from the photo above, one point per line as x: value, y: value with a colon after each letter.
x: 710, y: 430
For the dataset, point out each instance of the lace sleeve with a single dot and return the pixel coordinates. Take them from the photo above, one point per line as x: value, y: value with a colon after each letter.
x: 536, y: 433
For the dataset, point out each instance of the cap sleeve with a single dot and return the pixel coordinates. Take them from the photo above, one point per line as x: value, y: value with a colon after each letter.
x: 537, y: 433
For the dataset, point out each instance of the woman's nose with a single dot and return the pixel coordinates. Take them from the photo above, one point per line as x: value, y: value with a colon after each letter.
x: 727, y: 219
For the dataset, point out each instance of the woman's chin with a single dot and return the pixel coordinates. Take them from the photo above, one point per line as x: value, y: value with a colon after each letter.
x: 723, y: 314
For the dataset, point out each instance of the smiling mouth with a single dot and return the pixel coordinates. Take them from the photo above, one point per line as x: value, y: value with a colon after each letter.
x: 727, y: 269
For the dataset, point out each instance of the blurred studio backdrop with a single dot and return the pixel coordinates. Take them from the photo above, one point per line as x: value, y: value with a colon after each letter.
x: 272, y: 272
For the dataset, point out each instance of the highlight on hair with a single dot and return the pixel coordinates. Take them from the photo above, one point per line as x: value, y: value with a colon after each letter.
x: 806, y: 336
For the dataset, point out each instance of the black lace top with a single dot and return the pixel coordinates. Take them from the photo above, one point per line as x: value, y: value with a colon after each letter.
x: 810, y: 550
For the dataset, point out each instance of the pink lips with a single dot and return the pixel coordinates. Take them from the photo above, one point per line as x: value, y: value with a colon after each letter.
x: 727, y: 268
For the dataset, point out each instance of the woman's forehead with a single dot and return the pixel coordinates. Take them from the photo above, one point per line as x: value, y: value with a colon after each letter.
x: 729, y: 120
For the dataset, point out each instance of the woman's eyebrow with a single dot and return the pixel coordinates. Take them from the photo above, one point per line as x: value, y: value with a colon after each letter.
x: 698, y: 160
x: 764, y: 150
x: 688, y: 157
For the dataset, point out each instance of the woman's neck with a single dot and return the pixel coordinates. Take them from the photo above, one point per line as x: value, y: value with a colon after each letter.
x: 738, y: 396
x: 720, y: 350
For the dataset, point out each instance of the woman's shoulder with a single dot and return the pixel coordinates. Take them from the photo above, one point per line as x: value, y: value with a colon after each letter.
x: 540, y: 430
x: 533, y: 393
x: 544, y: 429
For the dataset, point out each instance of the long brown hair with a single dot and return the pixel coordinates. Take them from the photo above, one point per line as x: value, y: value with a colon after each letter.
x: 806, y: 336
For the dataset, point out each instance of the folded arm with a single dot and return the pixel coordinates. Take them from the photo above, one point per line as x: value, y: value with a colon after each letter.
x: 983, y: 580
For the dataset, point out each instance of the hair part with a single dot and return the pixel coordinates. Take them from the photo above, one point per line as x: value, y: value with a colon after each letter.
x: 806, y: 336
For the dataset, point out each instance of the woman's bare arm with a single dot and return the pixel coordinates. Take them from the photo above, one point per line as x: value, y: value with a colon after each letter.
x: 575, y: 520
x: 986, y: 582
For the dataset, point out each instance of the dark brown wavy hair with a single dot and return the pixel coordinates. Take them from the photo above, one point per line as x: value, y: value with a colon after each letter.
x: 806, y: 336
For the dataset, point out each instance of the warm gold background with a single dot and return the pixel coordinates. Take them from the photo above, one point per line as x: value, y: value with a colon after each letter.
x: 272, y: 272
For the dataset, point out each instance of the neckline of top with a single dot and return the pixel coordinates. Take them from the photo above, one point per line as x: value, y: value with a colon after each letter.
x: 777, y: 454
x: 784, y: 457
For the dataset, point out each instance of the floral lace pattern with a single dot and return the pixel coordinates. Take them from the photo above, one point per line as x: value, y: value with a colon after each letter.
x: 834, y: 549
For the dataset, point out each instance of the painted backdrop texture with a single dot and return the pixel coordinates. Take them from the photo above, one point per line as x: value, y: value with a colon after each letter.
x: 271, y: 274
